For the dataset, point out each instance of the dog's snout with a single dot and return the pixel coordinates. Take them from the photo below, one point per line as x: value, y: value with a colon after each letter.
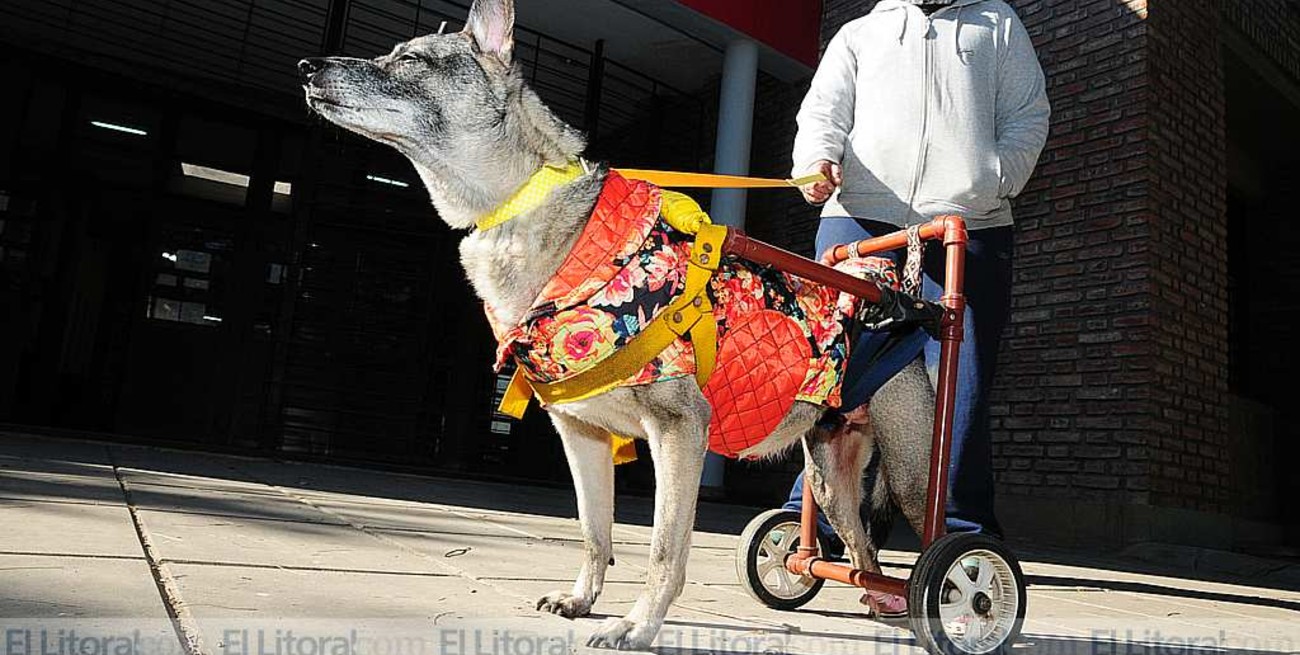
x: 309, y: 67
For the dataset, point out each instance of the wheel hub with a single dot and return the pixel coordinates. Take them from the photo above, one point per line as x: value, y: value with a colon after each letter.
x: 777, y: 546
x: 976, y: 609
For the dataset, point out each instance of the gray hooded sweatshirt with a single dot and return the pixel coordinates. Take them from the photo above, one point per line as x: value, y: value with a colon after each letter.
x: 927, y: 115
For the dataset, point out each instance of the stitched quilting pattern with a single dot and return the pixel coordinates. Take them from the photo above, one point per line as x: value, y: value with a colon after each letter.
x: 620, y: 223
x: 762, y: 363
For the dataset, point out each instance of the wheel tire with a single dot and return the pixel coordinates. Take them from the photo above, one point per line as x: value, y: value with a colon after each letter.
x: 757, y: 549
x: 938, y: 607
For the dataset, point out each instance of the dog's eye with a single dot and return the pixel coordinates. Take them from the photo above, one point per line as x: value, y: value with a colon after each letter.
x: 410, y: 58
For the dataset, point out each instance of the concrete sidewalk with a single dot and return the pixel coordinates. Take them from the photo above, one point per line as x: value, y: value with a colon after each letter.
x: 195, y: 553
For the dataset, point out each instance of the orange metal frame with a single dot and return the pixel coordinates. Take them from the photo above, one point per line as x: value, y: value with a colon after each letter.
x: 951, y: 230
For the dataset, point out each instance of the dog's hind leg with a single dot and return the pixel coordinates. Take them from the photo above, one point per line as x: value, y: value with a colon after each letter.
x: 835, y: 461
x: 902, y: 413
x: 676, y: 420
x: 880, y: 505
x: 588, y: 450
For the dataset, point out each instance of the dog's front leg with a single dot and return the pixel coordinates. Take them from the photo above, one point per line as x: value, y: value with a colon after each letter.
x: 677, y: 433
x: 588, y: 450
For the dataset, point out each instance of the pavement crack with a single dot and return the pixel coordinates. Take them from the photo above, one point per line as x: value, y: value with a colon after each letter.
x: 187, y: 630
x: 34, y: 553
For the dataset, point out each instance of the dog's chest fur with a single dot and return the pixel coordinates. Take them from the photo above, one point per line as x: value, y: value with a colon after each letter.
x: 509, y: 265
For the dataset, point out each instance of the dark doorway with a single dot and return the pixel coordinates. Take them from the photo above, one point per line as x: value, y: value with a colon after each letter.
x: 185, y: 272
x: 1263, y: 119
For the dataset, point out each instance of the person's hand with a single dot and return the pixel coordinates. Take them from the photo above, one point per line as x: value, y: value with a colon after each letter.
x: 819, y: 192
x: 828, y: 257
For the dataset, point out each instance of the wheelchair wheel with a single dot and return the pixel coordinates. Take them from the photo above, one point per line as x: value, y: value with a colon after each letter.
x: 760, y: 561
x: 966, y: 596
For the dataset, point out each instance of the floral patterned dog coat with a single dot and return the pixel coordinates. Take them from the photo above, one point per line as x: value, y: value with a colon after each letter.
x: 780, y: 338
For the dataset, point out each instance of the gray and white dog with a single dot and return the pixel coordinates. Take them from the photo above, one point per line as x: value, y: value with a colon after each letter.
x: 458, y: 108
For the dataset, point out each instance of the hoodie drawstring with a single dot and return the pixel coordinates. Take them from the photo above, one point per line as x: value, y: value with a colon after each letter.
x: 956, y: 39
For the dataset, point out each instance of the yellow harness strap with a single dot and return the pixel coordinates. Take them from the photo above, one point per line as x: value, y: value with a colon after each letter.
x: 514, y: 402
x: 691, y: 313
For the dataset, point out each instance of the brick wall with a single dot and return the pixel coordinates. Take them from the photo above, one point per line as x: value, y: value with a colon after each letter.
x: 1271, y: 25
x: 835, y: 13
x: 1189, y: 252
x: 1071, y: 405
x: 1071, y: 400
x: 781, y: 217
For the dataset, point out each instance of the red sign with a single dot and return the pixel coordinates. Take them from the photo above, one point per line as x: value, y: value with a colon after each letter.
x: 792, y: 27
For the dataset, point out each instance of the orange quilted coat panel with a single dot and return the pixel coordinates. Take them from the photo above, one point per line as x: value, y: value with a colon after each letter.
x: 762, y: 362
x: 618, y: 226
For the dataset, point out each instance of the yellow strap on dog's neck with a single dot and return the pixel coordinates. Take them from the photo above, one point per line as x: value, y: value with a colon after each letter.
x: 531, y: 195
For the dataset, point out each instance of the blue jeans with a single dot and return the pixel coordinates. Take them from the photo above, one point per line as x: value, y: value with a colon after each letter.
x: 988, y: 304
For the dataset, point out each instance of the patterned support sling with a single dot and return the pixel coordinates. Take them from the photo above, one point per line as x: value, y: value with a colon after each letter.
x: 644, y: 258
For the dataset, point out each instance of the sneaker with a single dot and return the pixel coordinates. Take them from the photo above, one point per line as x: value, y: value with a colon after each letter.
x: 885, y: 606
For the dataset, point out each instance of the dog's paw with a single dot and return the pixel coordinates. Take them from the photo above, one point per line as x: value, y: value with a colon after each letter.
x: 564, y: 604
x: 622, y: 634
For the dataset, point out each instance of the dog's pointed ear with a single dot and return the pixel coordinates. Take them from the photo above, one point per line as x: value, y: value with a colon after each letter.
x: 492, y: 24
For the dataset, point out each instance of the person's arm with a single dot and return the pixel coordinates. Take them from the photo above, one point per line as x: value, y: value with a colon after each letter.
x: 1023, y: 111
x: 826, y: 117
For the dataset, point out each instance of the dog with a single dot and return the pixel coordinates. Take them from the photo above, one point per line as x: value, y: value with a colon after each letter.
x: 458, y: 108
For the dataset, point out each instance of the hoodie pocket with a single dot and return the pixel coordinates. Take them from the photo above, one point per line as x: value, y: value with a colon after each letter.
x: 988, y: 182
x: 1004, y: 185
x: 984, y: 190
x: 972, y: 186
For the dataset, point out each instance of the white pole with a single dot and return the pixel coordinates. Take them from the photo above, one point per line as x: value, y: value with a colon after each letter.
x: 735, y: 128
x: 731, y: 157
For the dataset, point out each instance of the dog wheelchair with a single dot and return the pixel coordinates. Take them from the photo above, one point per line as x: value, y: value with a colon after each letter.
x: 966, y: 593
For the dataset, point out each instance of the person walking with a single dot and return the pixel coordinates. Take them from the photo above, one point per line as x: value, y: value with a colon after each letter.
x: 924, y: 108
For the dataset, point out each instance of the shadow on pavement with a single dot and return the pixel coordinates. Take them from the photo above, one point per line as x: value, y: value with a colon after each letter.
x: 169, y: 479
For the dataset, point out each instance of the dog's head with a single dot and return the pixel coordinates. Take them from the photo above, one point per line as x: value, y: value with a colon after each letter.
x: 425, y: 88
x: 455, y: 104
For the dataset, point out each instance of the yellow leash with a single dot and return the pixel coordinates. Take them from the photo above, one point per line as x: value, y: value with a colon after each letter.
x: 538, y: 187
x: 678, y: 180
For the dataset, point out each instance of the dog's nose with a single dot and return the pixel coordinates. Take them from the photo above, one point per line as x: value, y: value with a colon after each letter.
x: 309, y: 67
